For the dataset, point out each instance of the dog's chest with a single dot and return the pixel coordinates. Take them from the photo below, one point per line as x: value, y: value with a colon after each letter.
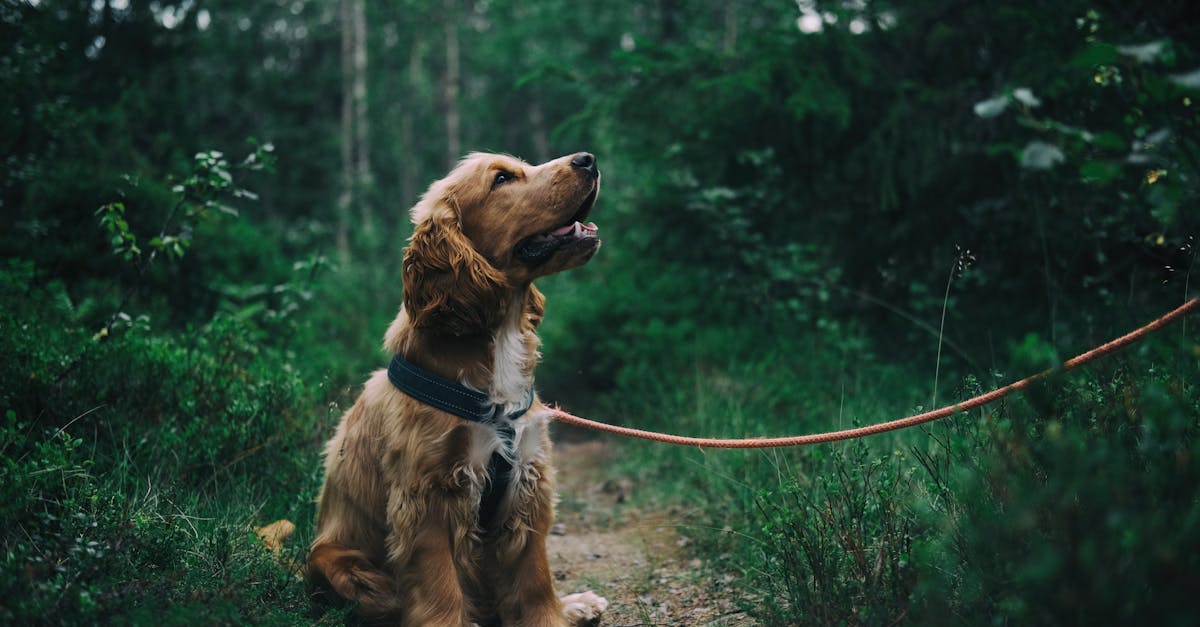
x: 502, y: 458
x: 523, y: 446
x: 514, y: 355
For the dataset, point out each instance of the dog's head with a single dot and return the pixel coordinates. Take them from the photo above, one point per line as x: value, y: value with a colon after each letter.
x: 495, y: 223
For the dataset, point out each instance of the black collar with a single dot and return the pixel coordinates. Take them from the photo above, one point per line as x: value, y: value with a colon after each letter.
x: 449, y: 396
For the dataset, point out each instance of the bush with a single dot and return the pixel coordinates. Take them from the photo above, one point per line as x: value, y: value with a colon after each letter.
x: 193, y: 405
x: 1076, y: 507
x: 135, y: 466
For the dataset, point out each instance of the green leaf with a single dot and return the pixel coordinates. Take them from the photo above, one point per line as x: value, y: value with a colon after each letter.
x: 1109, y: 141
x: 544, y: 73
x: 1189, y: 80
x: 1038, y: 155
x: 1095, y: 54
x: 1025, y: 96
x: 1100, y: 171
x: 991, y: 107
x: 1144, y: 53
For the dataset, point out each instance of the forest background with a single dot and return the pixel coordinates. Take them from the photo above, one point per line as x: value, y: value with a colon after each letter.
x: 815, y: 215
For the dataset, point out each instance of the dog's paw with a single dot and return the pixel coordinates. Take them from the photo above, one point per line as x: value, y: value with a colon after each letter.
x: 584, y: 609
x: 275, y: 534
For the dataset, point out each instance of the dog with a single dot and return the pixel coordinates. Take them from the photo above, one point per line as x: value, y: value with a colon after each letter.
x: 439, y: 491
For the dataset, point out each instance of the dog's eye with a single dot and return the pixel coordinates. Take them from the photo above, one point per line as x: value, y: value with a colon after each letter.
x: 501, y: 178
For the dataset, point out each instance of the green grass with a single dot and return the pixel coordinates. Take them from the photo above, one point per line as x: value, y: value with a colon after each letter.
x: 1072, y: 503
x: 91, y: 541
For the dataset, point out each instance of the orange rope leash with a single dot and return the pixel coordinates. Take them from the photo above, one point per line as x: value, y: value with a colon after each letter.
x: 817, y: 438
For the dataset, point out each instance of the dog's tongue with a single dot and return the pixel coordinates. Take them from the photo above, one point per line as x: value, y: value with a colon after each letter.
x: 584, y: 230
x: 563, y: 230
x: 578, y: 228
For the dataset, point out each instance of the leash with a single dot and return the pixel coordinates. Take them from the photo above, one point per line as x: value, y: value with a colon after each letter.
x: 1132, y: 337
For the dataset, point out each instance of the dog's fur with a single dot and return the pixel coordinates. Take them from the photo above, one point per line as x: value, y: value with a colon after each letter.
x: 397, y: 524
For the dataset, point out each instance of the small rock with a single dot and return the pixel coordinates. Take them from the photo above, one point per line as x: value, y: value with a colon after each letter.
x: 619, y: 489
x: 558, y: 529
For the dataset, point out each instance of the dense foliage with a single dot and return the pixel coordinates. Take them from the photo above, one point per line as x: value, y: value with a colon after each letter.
x: 815, y: 214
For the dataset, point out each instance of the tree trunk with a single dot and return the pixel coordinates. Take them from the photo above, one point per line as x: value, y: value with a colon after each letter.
x: 346, y: 193
x: 731, y: 27
x: 450, y: 87
x: 355, y: 140
x: 409, y: 167
x: 362, y: 145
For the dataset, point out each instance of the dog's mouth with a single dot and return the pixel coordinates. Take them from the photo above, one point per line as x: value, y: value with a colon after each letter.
x: 541, y: 246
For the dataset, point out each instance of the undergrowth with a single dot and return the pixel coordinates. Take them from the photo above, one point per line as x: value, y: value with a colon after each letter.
x: 1074, y: 502
x: 134, y: 471
x: 147, y: 430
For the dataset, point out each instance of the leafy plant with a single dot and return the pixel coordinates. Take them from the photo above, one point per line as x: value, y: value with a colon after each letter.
x: 837, y: 541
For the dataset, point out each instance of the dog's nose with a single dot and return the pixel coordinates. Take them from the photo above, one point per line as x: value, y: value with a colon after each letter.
x: 585, y: 161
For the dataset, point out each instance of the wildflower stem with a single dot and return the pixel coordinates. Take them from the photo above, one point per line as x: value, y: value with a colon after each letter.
x: 941, y: 332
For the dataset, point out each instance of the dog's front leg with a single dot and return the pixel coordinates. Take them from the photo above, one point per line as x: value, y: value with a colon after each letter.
x: 421, y: 551
x: 526, y: 595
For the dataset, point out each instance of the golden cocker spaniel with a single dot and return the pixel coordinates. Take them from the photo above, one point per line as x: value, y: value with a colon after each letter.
x: 438, y: 491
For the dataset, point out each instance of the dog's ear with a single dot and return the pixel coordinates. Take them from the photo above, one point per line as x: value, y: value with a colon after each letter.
x: 535, y: 307
x: 449, y: 288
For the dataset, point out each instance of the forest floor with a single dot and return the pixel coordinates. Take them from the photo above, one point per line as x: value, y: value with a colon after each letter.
x: 628, y: 552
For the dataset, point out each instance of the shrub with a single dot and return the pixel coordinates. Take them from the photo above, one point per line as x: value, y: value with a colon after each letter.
x: 1077, y: 506
x: 836, y: 542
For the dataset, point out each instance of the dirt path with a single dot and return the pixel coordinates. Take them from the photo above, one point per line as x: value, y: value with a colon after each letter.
x: 628, y: 554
